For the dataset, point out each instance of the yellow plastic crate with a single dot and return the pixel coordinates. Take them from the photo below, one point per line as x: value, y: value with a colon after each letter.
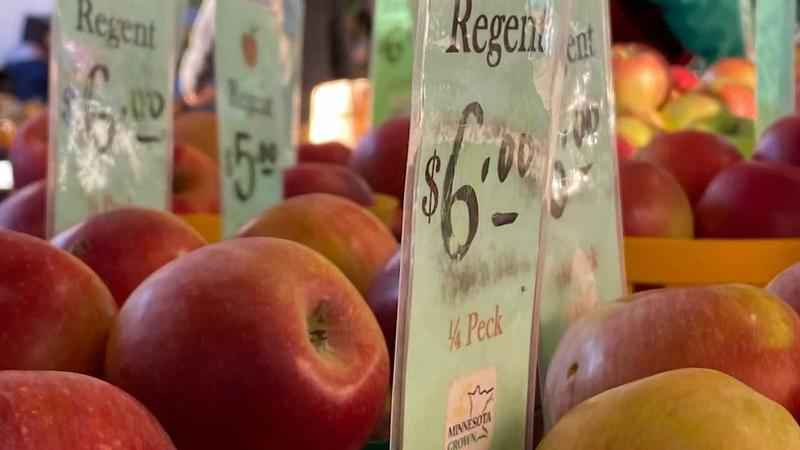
x: 680, y: 262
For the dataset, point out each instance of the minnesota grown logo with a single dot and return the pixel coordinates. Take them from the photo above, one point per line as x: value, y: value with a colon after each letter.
x: 471, y: 412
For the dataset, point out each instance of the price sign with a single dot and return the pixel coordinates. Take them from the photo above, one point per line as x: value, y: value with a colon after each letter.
x: 392, y: 61
x: 775, y: 58
x: 482, y: 134
x: 112, y: 87
x: 257, y: 58
x: 583, y: 263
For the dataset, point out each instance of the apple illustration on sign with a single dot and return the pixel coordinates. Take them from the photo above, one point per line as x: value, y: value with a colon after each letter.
x: 250, y: 48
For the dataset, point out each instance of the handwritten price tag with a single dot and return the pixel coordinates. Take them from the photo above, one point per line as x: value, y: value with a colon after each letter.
x: 482, y: 134
x: 258, y: 68
x: 112, y: 143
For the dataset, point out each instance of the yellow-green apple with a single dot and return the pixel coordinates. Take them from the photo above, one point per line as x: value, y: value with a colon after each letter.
x: 740, y: 131
x: 353, y: 238
x: 786, y: 285
x: 124, y: 246
x: 694, y: 158
x: 336, y: 179
x: 687, y: 409
x: 780, y: 142
x: 253, y: 343
x: 24, y: 210
x: 653, y: 203
x: 49, y: 410
x: 741, y: 330
x: 681, y: 112
x: 382, y: 298
x: 641, y: 78
x: 28, y: 152
x: 198, y: 129
x: 733, y: 70
x: 326, y: 152
x: 195, y: 182
x: 683, y: 78
x: 751, y: 200
x: 636, y: 131
x: 55, y: 313
x: 380, y: 157
x: 740, y: 100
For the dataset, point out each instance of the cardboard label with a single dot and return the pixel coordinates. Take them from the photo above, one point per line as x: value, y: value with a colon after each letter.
x: 257, y: 59
x: 112, y: 88
x: 775, y: 58
x: 584, y: 263
x: 391, y: 67
x: 482, y: 129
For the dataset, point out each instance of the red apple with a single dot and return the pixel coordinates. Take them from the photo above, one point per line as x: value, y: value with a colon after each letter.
x: 624, y: 149
x: 55, y: 313
x: 653, y: 203
x: 24, y: 210
x: 733, y: 70
x: 195, y: 182
x: 382, y: 298
x: 327, y: 152
x: 308, y: 178
x: 780, y: 142
x: 741, y: 330
x: 380, y: 157
x: 59, y: 410
x: 683, y: 78
x: 126, y: 245
x: 786, y: 285
x: 641, y: 78
x: 253, y: 343
x: 753, y: 200
x: 694, y: 158
x: 28, y: 152
x: 740, y: 100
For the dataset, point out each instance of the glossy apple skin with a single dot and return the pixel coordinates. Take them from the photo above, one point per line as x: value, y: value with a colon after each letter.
x: 24, y: 210
x: 126, y: 245
x: 740, y: 330
x: 309, y: 178
x: 679, y: 409
x: 641, y: 78
x: 55, y: 313
x: 350, y: 236
x: 751, y: 200
x: 694, y: 158
x: 44, y: 410
x: 653, y: 203
x: 195, y: 182
x: 327, y: 152
x: 28, y: 152
x: 780, y: 142
x: 382, y: 299
x: 220, y: 347
x: 381, y: 155
x: 786, y: 285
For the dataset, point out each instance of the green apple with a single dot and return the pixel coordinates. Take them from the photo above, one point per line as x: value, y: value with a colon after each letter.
x: 681, y: 112
x: 739, y: 130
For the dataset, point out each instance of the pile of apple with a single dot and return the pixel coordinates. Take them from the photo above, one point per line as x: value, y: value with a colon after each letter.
x: 130, y: 331
x: 690, y: 164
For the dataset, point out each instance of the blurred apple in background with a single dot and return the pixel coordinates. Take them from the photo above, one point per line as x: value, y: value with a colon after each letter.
x: 726, y: 71
x: 641, y: 78
x: 198, y: 129
x: 679, y: 113
x: 683, y: 78
x: 653, y: 203
x: 122, y: 263
x: 55, y: 312
x: 624, y: 149
x: 740, y: 100
x: 329, y: 178
x: 46, y: 410
x: 382, y: 298
x: 694, y: 158
x: 195, y: 182
x: 780, y: 142
x: 634, y: 130
x: 327, y: 152
x: 381, y: 155
x: 28, y: 152
x: 24, y: 210
x: 741, y: 132
x: 751, y: 199
x: 786, y: 285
